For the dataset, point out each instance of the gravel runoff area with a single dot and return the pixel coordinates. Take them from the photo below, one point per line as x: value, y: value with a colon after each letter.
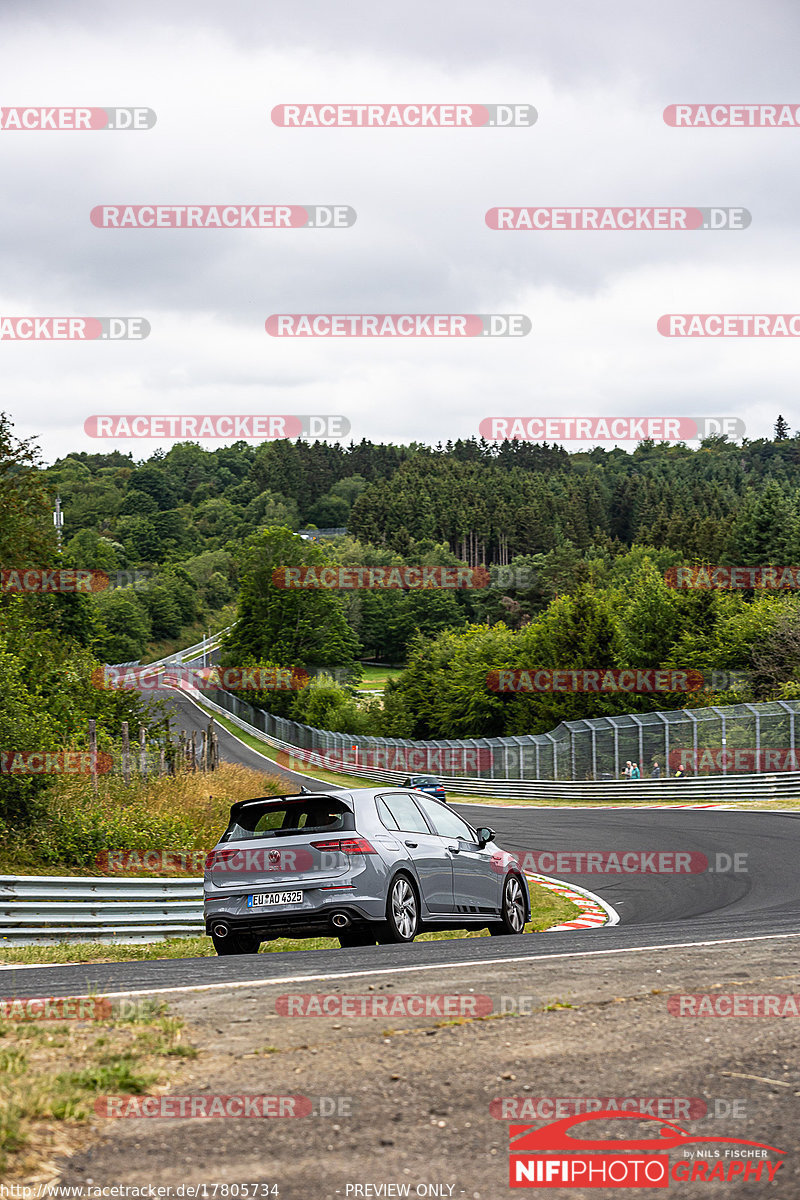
x: 405, y: 1100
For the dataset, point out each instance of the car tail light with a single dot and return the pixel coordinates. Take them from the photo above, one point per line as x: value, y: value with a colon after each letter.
x: 355, y: 845
x: 216, y: 859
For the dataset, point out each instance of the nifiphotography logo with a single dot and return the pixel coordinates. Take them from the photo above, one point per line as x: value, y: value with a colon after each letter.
x: 639, y: 1162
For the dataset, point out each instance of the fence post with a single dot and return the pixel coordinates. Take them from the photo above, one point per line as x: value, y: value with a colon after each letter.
x: 193, y: 751
x: 126, y: 754
x: 203, y: 751
x: 93, y: 752
x: 142, y: 752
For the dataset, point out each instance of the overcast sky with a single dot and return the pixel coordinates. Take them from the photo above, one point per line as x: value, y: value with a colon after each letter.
x: 599, y: 76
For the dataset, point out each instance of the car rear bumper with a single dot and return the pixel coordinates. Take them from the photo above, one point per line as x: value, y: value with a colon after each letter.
x: 314, y: 918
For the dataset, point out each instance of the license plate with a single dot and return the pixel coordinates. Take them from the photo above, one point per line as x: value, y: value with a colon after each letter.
x: 272, y: 899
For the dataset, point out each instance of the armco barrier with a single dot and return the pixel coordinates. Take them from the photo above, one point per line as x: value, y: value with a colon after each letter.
x: 45, y: 909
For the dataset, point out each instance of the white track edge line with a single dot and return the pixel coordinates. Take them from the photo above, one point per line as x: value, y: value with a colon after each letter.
x: 403, y: 970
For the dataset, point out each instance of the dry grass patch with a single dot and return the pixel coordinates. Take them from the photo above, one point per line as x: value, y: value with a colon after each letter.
x: 51, y: 1073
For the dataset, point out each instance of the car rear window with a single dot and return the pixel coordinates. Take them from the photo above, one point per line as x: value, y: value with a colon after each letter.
x: 289, y: 818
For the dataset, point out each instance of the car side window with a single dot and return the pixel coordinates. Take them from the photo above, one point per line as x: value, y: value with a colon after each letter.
x: 383, y: 812
x: 405, y: 812
x: 445, y: 821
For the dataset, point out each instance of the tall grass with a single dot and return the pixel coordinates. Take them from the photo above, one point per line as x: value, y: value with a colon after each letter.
x: 175, y: 813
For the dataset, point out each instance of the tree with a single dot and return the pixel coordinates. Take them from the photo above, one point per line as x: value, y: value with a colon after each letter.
x: 291, y: 627
x: 781, y: 429
x: 124, y: 626
x: 26, y: 528
x: 649, y: 619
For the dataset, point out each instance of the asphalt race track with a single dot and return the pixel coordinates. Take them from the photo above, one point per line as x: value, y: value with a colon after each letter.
x: 760, y: 900
x: 191, y: 719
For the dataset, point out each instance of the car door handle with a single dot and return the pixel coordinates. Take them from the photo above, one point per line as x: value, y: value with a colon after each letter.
x: 413, y: 845
x: 454, y: 849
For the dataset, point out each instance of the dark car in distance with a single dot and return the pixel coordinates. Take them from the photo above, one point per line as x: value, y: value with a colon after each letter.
x: 426, y: 783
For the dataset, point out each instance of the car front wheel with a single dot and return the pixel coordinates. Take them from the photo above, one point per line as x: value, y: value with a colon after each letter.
x: 513, y: 910
x: 402, y: 912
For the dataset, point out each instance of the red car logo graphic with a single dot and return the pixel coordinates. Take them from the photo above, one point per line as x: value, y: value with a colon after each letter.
x: 556, y: 1136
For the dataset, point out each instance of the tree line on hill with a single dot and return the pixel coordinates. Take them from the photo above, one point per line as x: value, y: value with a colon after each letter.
x: 577, y: 545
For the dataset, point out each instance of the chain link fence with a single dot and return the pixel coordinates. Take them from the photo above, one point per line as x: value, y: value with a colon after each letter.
x: 740, y: 739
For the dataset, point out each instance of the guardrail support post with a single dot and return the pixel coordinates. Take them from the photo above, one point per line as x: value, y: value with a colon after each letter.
x: 126, y: 755
x: 93, y: 752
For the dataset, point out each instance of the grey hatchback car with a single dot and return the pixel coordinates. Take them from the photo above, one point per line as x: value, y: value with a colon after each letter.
x: 368, y: 865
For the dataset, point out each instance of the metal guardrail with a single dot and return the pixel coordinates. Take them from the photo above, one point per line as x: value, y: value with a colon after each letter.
x: 46, y: 909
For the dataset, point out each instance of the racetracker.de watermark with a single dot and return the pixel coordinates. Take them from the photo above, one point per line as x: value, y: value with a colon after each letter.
x: 223, y: 216
x: 729, y: 116
x: 249, y: 427
x: 59, y: 119
x: 665, y: 1108
x: 715, y: 1004
x: 422, y: 325
x: 233, y: 679
x: 624, y: 219
x: 403, y: 116
x: 74, y: 1008
x: 230, y: 860
x: 620, y: 862
x: 607, y: 680
x: 181, y: 1107
x: 73, y: 329
x: 52, y: 762
x: 748, y: 760
x: 438, y: 1005
x: 769, y: 325
x: 66, y: 580
x: 381, y: 578
x: 413, y: 760
x: 69, y: 580
x: 608, y: 429
x: 706, y: 578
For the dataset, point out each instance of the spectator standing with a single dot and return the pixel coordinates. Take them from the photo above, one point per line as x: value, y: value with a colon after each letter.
x: 656, y: 771
x: 628, y: 768
x: 635, y: 772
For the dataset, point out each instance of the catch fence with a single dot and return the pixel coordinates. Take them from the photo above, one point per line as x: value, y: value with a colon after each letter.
x: 740, y: 739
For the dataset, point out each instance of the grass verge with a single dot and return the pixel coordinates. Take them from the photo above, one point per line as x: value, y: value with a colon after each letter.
x: 51, y: 1073
x: 176, y: 813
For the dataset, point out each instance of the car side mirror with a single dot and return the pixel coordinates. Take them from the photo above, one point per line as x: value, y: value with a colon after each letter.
x: 485, y: 835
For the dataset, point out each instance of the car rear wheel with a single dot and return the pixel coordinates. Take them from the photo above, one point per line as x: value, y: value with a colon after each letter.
x: 357, y: 937
x: 402, y: 912
x: 513, y: 910
x: 236, y: 943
